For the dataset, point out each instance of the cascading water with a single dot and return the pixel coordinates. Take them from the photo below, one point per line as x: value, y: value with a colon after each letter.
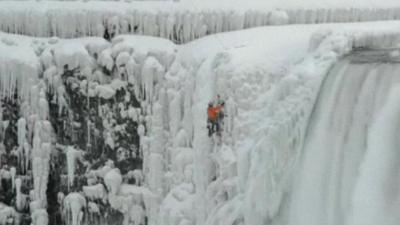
x: 349, y: 170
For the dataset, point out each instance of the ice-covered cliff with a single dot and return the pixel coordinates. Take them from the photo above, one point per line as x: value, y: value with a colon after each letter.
x: 118, y: 128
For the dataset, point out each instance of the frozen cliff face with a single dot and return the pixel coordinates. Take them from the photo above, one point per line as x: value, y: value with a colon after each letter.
x: 84, y: 120
x: 119, y: 129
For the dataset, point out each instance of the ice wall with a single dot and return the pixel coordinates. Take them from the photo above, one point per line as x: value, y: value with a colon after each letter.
x: 180, y: 23
x: 246, y: 180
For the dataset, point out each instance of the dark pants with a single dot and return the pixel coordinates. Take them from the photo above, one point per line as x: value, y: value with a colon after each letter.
x: 213, y: 126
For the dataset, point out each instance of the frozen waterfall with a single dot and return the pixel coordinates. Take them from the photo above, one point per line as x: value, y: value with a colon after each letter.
x: 349, y: 170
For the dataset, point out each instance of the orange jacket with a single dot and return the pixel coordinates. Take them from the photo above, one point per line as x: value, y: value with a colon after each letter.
x: 213, y: 112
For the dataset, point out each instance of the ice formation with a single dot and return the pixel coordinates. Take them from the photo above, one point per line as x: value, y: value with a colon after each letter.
x: 113, y: 181
x: 180, y: 22
x: 169, y: 171
x: 95, y: 192
x: 72, y: 156
x: 21, y: 199
x: 7, y: 214
x: 74, y: 206
x: 39, y: 216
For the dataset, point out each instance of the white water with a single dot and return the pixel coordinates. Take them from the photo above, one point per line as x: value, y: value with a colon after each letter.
x: 349, y: 170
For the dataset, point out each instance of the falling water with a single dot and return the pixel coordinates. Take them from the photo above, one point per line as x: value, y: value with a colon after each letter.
x: 350, y: 165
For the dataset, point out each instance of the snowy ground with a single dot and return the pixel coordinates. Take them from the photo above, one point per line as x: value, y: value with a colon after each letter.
x: 269, y: 97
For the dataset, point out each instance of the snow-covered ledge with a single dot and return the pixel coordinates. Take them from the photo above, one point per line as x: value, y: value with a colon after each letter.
x: 19, y: 67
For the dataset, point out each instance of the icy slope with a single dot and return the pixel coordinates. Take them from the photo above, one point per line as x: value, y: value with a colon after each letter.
x: 180, y: 22
x: 348, y: 170
x: 185, y: 178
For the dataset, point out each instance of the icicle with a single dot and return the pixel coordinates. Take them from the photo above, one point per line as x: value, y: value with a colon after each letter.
x: 21, y: 131
x: 13, y: 173
x: 19, y: 204
x: 71, y: 160
x: 231, y: 113
x: 74, y: 204
x: 151, y: 72
x: 27, y: 154
x: 141, y: 130
x: 51, y: 77
x: 60, y: 198
x: 132, y: 70
x: 175, y: 112
x: 34, y: 98
x: 41, y: 160
x: 47, y: 58
x: 62, y: 103
x: 113, y: 181
x: 43, y: 106
x: 2, y: 152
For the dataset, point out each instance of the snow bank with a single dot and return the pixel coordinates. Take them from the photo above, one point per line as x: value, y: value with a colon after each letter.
x: 178, y: 21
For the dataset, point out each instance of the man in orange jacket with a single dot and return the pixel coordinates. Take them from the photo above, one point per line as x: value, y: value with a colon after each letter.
x: 215, y: 114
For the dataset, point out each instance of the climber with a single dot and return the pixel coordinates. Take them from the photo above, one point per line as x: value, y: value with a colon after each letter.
x: 215, y: 117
